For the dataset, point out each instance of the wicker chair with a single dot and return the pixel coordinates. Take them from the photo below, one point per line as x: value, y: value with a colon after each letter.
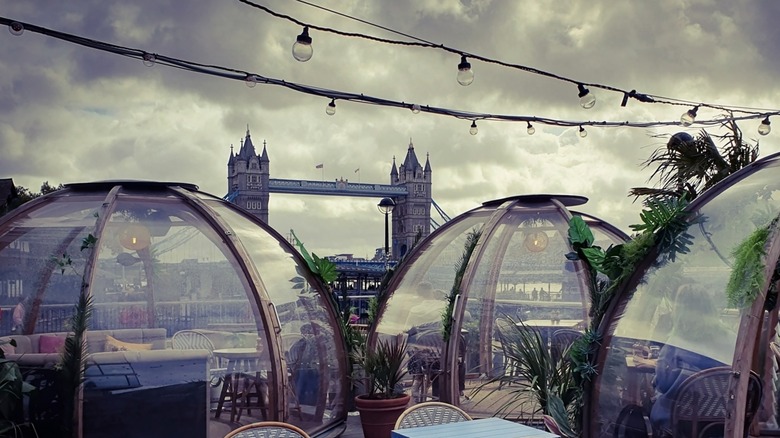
x: 268, y: 429
x: 430, y: 413
x: 700, y: 406
x: 561, y: 340
x: 193, y: 340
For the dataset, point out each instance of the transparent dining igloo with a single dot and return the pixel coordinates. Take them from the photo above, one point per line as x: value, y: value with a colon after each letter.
x: 203, y: 317
x: 678, y: 356
x: 518, y: 271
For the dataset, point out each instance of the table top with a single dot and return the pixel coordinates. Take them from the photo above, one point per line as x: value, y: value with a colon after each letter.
x: 548, y: 323
x: 237, y: 353
x: 482, y: 428
x: 641, y: 364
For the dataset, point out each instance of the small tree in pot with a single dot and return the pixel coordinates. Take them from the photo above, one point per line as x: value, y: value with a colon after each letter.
x: 385, y: 401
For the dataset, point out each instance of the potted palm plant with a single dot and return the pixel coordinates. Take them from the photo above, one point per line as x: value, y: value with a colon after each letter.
x: 385, y: 399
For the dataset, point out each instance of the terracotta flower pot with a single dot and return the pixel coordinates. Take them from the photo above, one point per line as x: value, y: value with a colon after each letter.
x: 378, y: 416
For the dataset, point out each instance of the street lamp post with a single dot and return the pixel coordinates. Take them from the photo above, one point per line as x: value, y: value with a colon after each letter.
x: 385, y: 207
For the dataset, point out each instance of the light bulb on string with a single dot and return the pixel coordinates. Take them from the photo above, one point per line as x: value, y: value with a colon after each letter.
x: 530, y: 130
x: 587, y: 99
x: 583, y: 133
x: 465, y: 73
x: 302, y: 49
x: 473, y: 130
x: 765, y: 128
x: 331, y: 108
x: 415, y: 108
x: 689, y: 116
x: 250, y: 80
x: 149, y: 59
x: 16, y: 28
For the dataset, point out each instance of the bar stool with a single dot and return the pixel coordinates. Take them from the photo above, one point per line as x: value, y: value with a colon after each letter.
x: 243, y: 380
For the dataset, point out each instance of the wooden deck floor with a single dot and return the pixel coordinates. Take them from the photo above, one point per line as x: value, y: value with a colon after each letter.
x: 483, y: 405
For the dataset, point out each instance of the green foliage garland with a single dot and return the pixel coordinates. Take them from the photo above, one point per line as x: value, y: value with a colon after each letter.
x: 747, y: 274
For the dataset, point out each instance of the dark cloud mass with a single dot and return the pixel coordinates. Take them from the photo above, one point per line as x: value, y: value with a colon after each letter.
x: 69, y: 113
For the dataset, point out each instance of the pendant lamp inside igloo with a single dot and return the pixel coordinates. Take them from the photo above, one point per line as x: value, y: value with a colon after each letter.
x: 201, y: 317
x: 501, y: 263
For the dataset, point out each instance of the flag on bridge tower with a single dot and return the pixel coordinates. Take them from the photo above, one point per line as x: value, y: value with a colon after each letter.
x: 319, y: 166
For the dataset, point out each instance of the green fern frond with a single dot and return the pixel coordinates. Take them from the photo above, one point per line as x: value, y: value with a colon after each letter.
x: 747, y: 276
x: 460, y: 269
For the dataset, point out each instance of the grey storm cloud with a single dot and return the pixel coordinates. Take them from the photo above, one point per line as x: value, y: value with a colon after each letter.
x: 70, y: 113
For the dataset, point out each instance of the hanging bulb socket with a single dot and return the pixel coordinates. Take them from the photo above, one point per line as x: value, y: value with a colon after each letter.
x: 765, y: 127
x: 415, y: 108
x: 251, y: 80
x: 465, y: 73
x: 587, y: 99
x: 331, y: 108
x: 149, y: 59
x: 16, y: 28
x: 689, y: 117
x: 473, y: 130
x: 530, y: 130
x: 583, y: 133
x: 302, y: 49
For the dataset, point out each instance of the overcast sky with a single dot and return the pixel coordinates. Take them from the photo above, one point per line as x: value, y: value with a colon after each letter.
x: 73, y: 114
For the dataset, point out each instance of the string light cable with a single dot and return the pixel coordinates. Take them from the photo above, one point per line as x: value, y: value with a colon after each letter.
x: 251, y: 79
x: 587, y: 100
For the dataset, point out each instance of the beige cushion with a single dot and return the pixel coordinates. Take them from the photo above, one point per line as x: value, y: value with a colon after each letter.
x: 113, y: 344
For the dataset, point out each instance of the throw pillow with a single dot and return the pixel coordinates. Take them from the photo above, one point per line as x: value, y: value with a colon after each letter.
x: 114, y: 344
x: 8, y: 347
x: 51, y: 344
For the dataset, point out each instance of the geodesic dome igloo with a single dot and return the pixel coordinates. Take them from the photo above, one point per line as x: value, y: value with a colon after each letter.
x: 678, y: 356
x: 518, y: 269
x: 204, y: 318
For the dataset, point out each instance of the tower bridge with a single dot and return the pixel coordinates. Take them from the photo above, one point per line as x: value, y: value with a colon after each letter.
x: 250, y: 186
x: 339, y: 187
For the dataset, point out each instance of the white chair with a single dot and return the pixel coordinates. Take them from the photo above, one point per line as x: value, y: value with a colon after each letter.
x: 430, y: 413
x: 268, y: 429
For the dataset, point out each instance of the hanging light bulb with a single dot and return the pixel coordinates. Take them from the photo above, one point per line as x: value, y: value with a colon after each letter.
x: 465, y: 73
x: 583, y: 133
x: 416, y: 109
x: 16, y: 28
x: 135, y: 237
x: 302, y: 49
x: 587, y: 99
x: 530, y: 130
x: 536, y: 241
x: 689, y: 117
x: 764, y: 128
x: 149, y: 59
x: 250, y: 80
x: 473, y: 130
x: 331, y: 108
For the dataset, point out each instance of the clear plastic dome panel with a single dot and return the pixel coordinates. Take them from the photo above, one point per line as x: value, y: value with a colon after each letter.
x: 308, y: 337
x: 431, y: 274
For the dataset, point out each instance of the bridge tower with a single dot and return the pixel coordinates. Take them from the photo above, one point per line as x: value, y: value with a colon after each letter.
x: 248, y: 175
x: 412, y: 213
